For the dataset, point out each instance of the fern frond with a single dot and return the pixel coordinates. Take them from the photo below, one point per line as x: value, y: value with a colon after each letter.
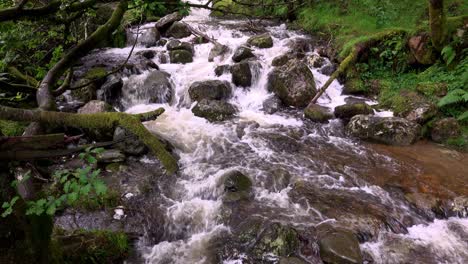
x: 453, y: 97
x: 463, y: 117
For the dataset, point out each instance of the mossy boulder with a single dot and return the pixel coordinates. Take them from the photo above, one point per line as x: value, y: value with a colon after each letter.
x: 167, y: 21
x: 281, y: 60
x: 349, y: 110
x: 293, y: 83
x: 181, y: 56
x: 218, y: 51
x: 387, y: 130
x: 414, y: 107
x: 214, y: 110
x: 128, y: 143
x: 432, y: 89
x: 262, y: 41
x: 87, y: 93
x: 177, y: 45
x: 178, y: 30
x: 422, y: 50
x: 276, y: 239
x: 338, y: 245
x: 237, y: 186
x: 317, y: 113
x: 271, y: 105
x: 445, y: 129
x: 242, y: 53
x: 110, y: 156
x: 211, y: 90
x: 355, y: 86
x: 96, y: 73
x: 242, y: 74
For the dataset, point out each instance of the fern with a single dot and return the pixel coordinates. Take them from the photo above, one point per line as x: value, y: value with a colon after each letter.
x: 463, y: 117
x: 448, y: 53
x: 454, y: 97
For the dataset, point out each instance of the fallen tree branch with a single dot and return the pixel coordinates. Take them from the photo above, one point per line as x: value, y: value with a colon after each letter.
x: 24, y: 77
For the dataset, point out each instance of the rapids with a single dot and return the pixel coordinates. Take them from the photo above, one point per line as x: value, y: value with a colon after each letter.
x: 280, y: 153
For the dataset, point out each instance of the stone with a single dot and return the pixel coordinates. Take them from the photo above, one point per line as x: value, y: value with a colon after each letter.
x: 178, y: 30
x: 278, y: 239
x: 328, y: 69
x: 128, y: 143
x: 165, y: 22
x: 181, y: 56
x: 161, y: 43
x: 110, y: 156
x: 280, y: 60
x: 387, y: 130
x: 241, y: 74
x: 338, y: 246
x: 85, y: 94
x: 222, y: 69
x: 242, y: 53
x: 156, y: 87
x: 421, y: 49
x: 214, y: 110
x: 293, y: 83
x: 177, y: 45
x: 111, y: 91
x: 317, y: 113
x: 262, y: 41
x: 95, y: 106
x: 149, y: 54
x: 416, y: 108
x: 237, y: 186
x: 445, y: 129
x: 271, y: 105
x: 211, y: 90
x: 316, y: 61
x: 354, y: 86
x: 216, y: 51
x: 432, y: 89
x: 300, y: 45
x: 149, y: 37
x: 349, y: 110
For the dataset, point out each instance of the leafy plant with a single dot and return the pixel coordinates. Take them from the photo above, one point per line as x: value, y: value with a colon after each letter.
x: 454, y: 97
x: 448, y: 54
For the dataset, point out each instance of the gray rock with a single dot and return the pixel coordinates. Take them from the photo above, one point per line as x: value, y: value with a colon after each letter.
x: 272, y: 105
x: 317, y: 113
x: 149, y: 54
x: 387, y: 130
x: 130, y: 144
x: 293, y: 83
x: 328, y: 69
x: 214, y: 110
x: 300, y: 45
x: 211, y: 90
x: 161, y: 42
x: 445, y: 129
x: 181, y: 56
x: 349, y: 110
x: 281, y: 60
x: 155, y: 88
x: 241, y: 74
x: 242, y: 53
x: 178, y: 30
x: 95, y: 106
x: 237, y: 186
x: 149, y: 37
x: 177, y: 45
x: 165, y: 22
x: 111, y: 91
x: 338, y: 246
x: 218, y: 50
x: 262, y: 41
x: 110, y: 156
x: 222, y: 69
x: 416, y: 107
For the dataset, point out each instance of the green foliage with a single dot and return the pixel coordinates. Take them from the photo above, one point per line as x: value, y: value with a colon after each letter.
x: 448, y: 53
x: 73, y: 186
x: 454, y: 97
x: 11, y: 128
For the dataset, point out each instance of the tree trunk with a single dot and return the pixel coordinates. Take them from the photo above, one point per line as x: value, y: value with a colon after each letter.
x: 438, y: 24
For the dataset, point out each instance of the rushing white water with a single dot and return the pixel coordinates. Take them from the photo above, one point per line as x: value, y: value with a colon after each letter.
x: 208, y: 150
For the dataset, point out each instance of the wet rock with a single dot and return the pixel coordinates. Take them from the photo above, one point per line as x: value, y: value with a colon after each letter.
x: 163, y: 57
x: 178, y: 30
x: 214, y: 110
x: 243, y: 72
x: 237, y: 186
x: 387, y: 130
x: 262, y: 41
x: 281, y: 60
x: 243, y: 126
x: 111, y: 91
x: 156, y: 87
x: 291, y: 260
x: 222, y: 69
x: 242, y: 53
x: 177, y: 45
x: 211, y: 90
x: 421, y: 48
x: 293, y: 83
x: 338, y: 246
x: 110, y: 156
x: 95, y: 106
x: 271, y: 105
x: 276, y: 239
x: 85, y: 94
x: 161, y: 43
x: 328, y: 69
x: 317, y: 113
x: 347, y: 111
x: 149, y: 54
x: 416, y: 107
x: 445, y: 129
x: 148, y: 38
x: 316, y: 61
x: 181, y: 56
x: 300, y: 45
x: 130, y: 144
x: 166, y: 22
x: 218, y: 50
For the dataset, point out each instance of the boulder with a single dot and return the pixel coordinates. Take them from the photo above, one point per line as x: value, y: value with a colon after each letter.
x: 95, y: 106
x: 128, y: 143
x: 271, y: 105
x: 338, y: 245
x: 318, y: 113
x: 111, y: 91
x: 300, y: 45
x: 155, y: 87
x: 211, y: 90
x: 110, y: 156
x: 85, y: 94
x: 218, y: 50
x: 222, y: 69
x: 214, y: 110
x: 181, y: 56
x: 262, y: 41
x: 161, y: 42
x: 387, y: 130
x: 237, y: 186
x: 166, y: 22
x: 242, y: 53
x: 177, y: 45
x: 149, y: 54
x: 328, y: 69
x: 293, y: 83
x: 241, y: 74
x: 281, y: 60
x: 415, y: 107
x: 316, y: 61
x: 178, y: 30
x: 445, y: 129
x: 148, y: 38
x: 422, y: 50
x: 349, y: 110
x: 432, y: 89
x: 280, y: 240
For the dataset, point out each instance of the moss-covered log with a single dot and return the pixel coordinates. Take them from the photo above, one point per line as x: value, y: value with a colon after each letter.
x: 131, y: 123
x: 438, y: 24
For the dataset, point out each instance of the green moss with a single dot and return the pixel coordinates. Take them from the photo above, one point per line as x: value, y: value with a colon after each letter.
x: 96, y: 73
x: 12, y: 128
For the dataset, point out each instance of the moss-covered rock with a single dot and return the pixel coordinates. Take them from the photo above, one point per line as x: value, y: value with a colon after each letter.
x: 318, y: 113
x: 242, y: 74
x: 349, y: 110
x: 211, y: 90
x: 181, y: 56
x: 276, y: 239
x: 237, y: 186
x: 445, y: 129
x: 214, y: 110
x: 262, y: 41
x: 432, y: 89
x: 178, y: 30
x: 96, y: 73
x: 422, y: 50
x: 355, y: 86
x: 242, y: 53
